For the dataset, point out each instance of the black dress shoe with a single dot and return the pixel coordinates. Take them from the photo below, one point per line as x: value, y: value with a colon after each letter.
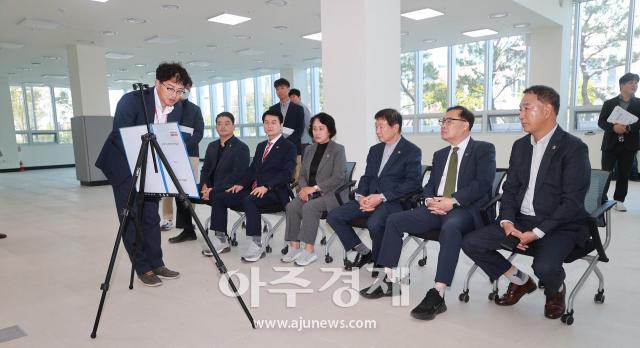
x: 378, y: 290
x: 183, y: 237
x: 2, y: 235
x: 376, y: 271
x: 432, y: 305
x: 362, y: 260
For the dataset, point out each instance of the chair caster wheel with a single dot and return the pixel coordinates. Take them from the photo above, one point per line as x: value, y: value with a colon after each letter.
x: 323, y: 241
x: 540, y: 284
x: 234, y: 243
x: 328, y: 259
x: 599, y: 297
x: 244, y: 225
x: 493, y: 296
x: 464, y: 296
x: 347, y: 265
x: 422, y: 262
x: 268, y: 249
x: 567, y: 318
x: 285, y: 250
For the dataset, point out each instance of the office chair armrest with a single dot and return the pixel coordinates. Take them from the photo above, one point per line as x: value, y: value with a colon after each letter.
x: 594, y: 232
x: 485, y: 209
x: 339, y: 190
x: 603, y: 209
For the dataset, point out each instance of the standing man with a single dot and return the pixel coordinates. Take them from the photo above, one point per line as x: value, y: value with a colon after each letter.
x: 620, y: 142
x: 163, y: 101
x: 294, y: 96
x: 266, y: 182
x: 293, y: 125
x: 392, y: 172
x: 191, y: 127
x: 460, y: 184
x: 542, y: 205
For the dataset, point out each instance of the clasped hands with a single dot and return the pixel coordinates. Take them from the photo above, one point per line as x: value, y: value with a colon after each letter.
x: 439, y: 205
x: 304, y: 193
x: 370, y: 203
x: 525, y: 237
x: 619, y: 128
x: 259, y: 191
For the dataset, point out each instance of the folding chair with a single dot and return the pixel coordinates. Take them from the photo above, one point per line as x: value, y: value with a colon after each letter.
x: 599, y: 217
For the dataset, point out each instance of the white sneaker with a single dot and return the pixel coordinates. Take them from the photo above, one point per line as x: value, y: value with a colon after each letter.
x: 166, y: 226
x: 620, y: 207
x: 254, y: 253
x: 220, y: 247
x: 306, y: 258
x: 292, y: 255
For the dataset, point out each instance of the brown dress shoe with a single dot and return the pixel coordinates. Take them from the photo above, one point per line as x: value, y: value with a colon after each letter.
x: 515, y: 292
x: 554, y: 308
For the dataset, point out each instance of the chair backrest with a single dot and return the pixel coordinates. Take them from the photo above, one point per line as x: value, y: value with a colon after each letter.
x: 497, y: 182
x: 425, y: 169
x: 595, y: 195
x: 348, y: 169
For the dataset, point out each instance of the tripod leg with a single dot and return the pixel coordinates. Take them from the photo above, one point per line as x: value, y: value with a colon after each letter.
x: 138, y: 219
x: 182, y: 199
x: 126, y: 215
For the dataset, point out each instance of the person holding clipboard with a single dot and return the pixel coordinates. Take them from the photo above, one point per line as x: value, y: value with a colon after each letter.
x: 620, y: 140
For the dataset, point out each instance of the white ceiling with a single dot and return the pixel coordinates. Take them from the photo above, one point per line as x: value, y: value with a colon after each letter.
x: 84, y: 21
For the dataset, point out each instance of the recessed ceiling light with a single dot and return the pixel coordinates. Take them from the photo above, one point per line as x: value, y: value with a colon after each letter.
x: 127, y: 80
x: 521, y: 25
x: 212, y: 46
x: 277, y: 3
x: 160, y: 40
x: 209, y: 71
x: 404, y: 33
x: 134, y: 20
x: 4, y: 44
x: 479, y: 33
x: 312, y: 59
x: 151, y: 73
x: 428, y: 41
x: 250, y: 52
x: 316, y: 37
x: 35, y: 63
x: 50, y: 57
x: 243, y: 37
x: 199, y: 63
x: 86, y: 42
x: 229, y: 19
x: 280, y: 27
x: 140, y: 65
x: 122, y: 70
x: 100, y: 0
x: 286, y: 56
x: 499, y: 15
x: 26, y: 69
x: 108, y: 75
x: 39, y: 24
x: 109, y: 33
x: 170, y: 7
x: 55, y: 76
x: 184, y: 53
x: 422, y: 14
x: 11, y: 73
x: 259, y: 61
x: 118, y: 55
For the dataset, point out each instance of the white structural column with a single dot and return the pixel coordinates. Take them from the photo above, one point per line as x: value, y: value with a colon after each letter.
x: 8, y: 147
x: 360, y: 67
x: 88, y: 79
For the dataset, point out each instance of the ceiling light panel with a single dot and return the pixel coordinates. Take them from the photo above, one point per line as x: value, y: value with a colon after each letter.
x: 479, y: 33
x: 316, y: 37
x: 229, y: 19
x: 419, y: 15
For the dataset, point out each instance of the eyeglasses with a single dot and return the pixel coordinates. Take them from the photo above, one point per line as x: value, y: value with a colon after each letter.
x: 449, y: 120
x: 171, y: 90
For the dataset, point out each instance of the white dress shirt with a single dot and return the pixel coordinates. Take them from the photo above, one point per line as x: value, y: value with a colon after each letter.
x: 461, y: 148
x: 161, y: 113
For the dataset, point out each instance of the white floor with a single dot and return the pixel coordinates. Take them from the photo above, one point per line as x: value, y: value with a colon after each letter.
x: 61, y: 236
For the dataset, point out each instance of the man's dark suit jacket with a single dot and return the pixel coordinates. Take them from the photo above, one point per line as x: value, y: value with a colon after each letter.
x: 475, y: 177
x: 129, y: 112
x: 610, y: 138
x: 399, y: 177
x: 192, y: 118
x: 231, y: 167
x: 561, y: 185
x: 276, y: 170
x: 294, y: 119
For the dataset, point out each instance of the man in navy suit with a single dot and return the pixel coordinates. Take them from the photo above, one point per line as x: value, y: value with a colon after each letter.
x: 266, y: 182
x: 460, y: 183
x: 162, y: 104
x: 392, y: 172
x: 293, y: 119
x: 542, y: 204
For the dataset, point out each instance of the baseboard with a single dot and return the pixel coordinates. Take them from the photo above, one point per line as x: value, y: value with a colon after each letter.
x: 38, y: 168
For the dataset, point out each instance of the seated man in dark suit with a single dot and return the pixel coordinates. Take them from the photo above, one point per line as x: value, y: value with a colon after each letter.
x: 392, y: 172
x: 264, y: 183
x: 293, y: 119
x: 171, y: 79
x: 460, y: 183
x: 225, y: 162
x: 542, y: 204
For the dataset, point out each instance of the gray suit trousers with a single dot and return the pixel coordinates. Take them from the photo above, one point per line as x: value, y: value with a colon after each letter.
x: 303, y: 219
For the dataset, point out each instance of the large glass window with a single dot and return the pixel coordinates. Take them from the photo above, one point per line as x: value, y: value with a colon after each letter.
x: 469, y: 75
x: 234, y: 106
x: 249, y: 100
x: 17, y: 104
x: 64, y: 113
x: 219, y: 87
x: 264, y: 90
x: 408, y: 83
x: 509, y: 60
x: 601, y: 55
x: 40, y: 110
x: 204, y: 101
x: 435, y: 96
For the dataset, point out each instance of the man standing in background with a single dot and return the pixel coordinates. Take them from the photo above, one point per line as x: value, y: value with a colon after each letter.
x: 294, y: 96
x: 293, y: 125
